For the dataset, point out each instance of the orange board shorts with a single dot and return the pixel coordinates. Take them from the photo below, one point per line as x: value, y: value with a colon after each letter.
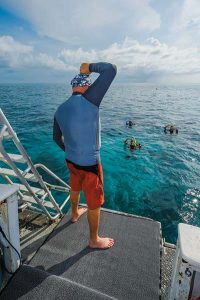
x: 88, y: 182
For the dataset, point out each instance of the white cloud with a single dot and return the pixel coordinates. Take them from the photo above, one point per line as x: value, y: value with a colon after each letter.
x: 149, y: 59
x: 16, y: 55
x: 45, y: 60
x: 186, y: 27
x: 13, y: 52
x: 90, y: 22
x: 190, y: 15
x: 131, y: 55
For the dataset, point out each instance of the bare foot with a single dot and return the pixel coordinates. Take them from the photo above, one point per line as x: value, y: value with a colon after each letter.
x: 81, y: 211
x: 102, y: 243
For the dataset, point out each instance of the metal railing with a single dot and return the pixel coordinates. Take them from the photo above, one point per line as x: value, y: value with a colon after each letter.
x: 42, y: 195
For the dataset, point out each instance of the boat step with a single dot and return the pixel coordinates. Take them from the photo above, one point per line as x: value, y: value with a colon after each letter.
x: 37, y: 191
x: 15, y: 157
x: 31, y: 200
x: 9, y: 172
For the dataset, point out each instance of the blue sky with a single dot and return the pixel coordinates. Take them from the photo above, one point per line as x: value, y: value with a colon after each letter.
x: 149, y: 40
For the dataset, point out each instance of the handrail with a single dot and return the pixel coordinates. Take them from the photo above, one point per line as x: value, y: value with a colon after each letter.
x: 49, y: 172
x: 32, y: 168
x: 24, y: 181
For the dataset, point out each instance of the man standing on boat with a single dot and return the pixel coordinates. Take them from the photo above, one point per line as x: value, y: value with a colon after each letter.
x: 77, y: 122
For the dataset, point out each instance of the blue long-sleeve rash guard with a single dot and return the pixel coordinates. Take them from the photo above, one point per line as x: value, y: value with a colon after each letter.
x: 77, y: 119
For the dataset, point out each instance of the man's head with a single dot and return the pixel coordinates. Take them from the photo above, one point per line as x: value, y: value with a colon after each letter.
x: 80, y: 83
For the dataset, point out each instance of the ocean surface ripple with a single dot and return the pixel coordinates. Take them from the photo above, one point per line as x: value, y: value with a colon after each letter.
x: 160, y: 181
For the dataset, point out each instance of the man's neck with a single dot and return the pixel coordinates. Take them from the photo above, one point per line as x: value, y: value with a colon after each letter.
x: 80, y: 89
x: 76, y: 93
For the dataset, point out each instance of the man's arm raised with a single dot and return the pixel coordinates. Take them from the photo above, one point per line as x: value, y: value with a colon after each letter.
x: 97, y: 90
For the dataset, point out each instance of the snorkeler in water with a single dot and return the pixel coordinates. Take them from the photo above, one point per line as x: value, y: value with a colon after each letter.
x: 170, y: 129
x: 130, y: 123
x: 132, y: 144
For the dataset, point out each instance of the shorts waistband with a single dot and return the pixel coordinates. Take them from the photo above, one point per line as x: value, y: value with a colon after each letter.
x: 94, y: 168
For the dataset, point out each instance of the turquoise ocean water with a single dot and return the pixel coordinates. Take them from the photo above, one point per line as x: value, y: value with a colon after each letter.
x: 160, y: 181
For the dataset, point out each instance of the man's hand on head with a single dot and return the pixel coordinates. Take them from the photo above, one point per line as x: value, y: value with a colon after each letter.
x: 84, y: 68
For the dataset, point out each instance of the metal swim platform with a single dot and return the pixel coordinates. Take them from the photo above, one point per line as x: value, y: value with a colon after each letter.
x: 33, y: 189
x: 65, y: 268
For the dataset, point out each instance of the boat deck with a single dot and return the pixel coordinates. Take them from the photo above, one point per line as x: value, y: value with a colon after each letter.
x: 66, y: 268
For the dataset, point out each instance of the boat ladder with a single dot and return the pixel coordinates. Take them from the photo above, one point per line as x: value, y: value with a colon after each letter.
x: 34, y: 192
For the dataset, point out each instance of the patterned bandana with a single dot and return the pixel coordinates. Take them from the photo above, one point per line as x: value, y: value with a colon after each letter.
x: 81, y: 80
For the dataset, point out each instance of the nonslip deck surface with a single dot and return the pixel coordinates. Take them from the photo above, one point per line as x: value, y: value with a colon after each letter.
x: 129, y: 270
x: 31, y: 283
